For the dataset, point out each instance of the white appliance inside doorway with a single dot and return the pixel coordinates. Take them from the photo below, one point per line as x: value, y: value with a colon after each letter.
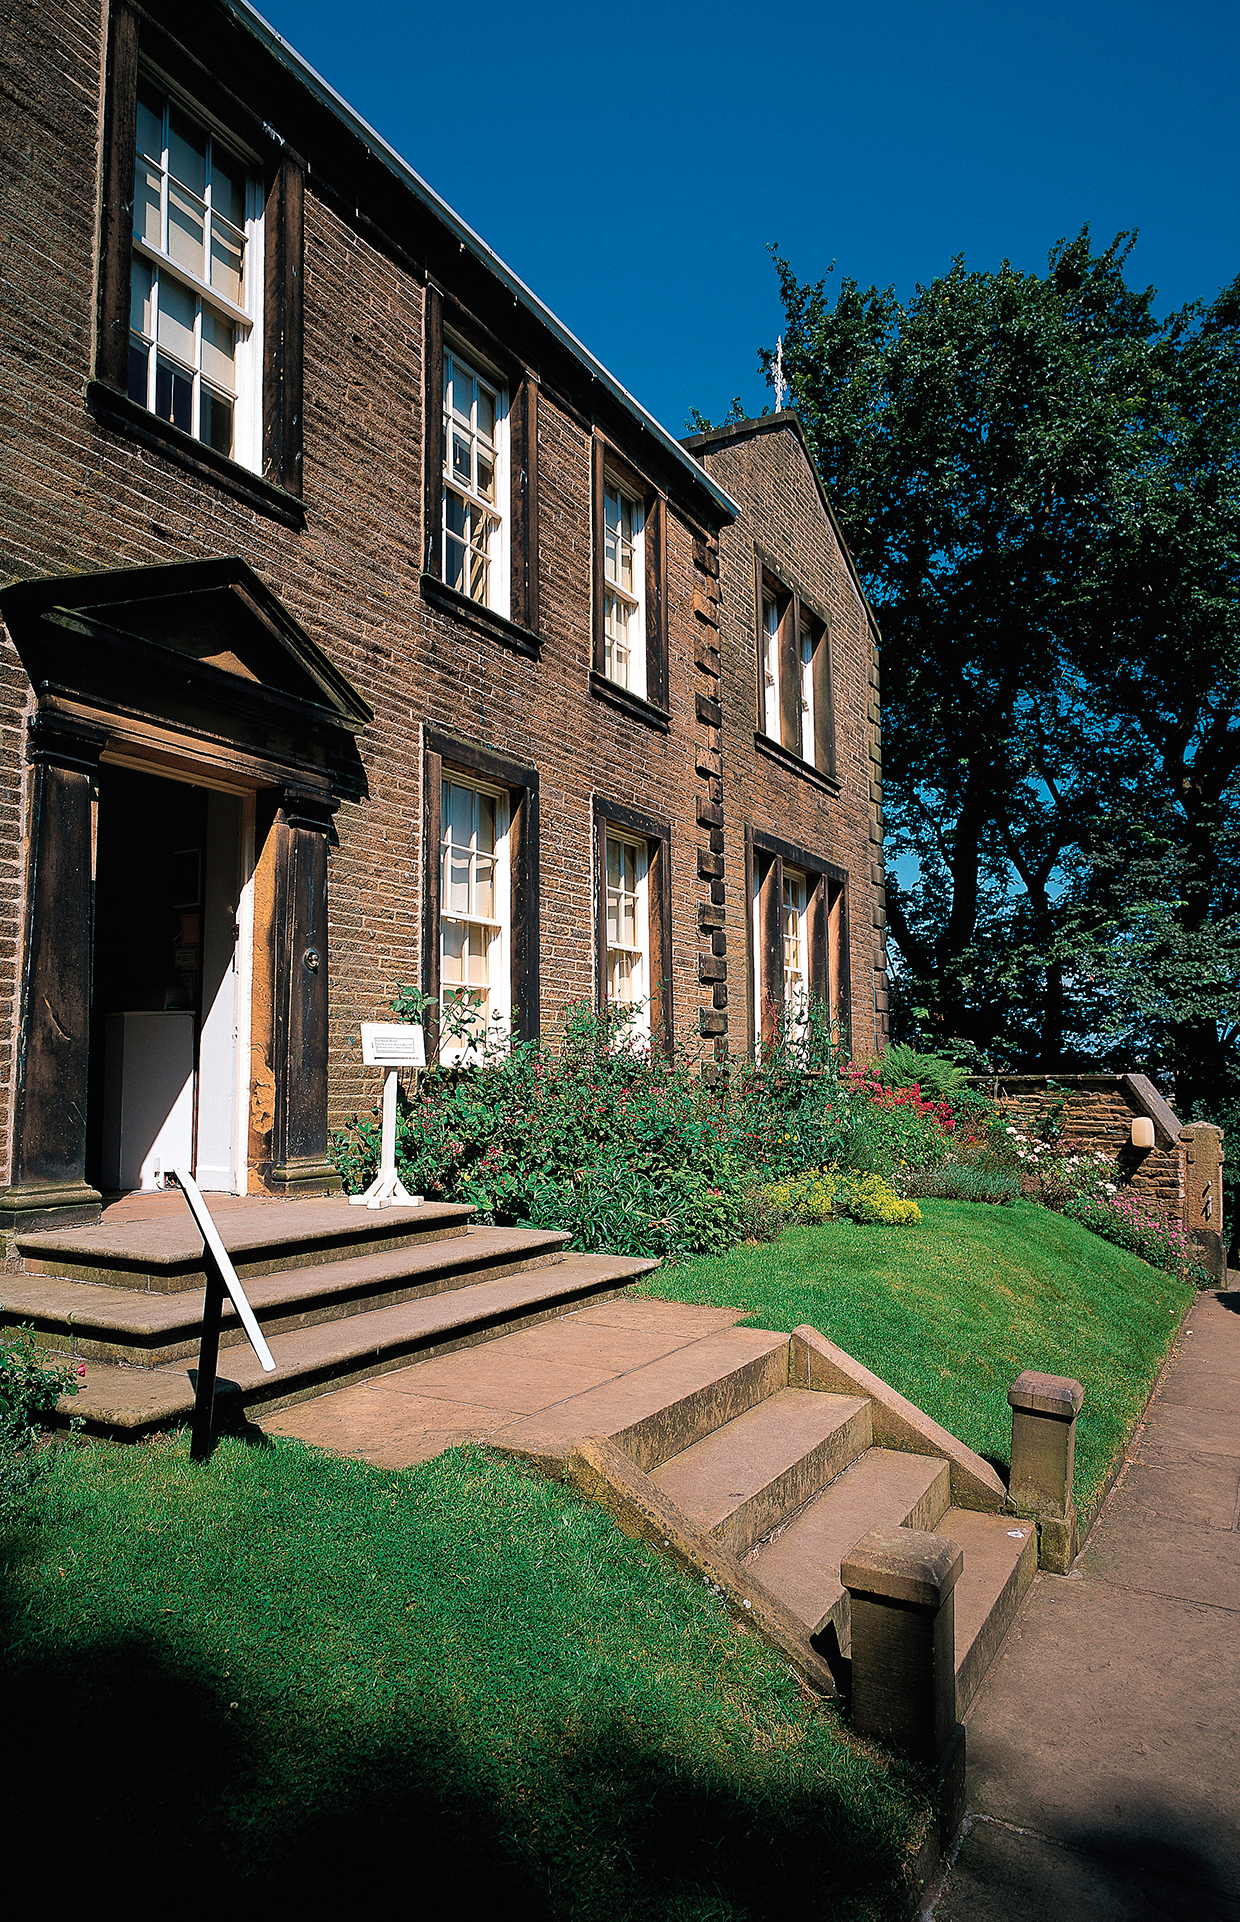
x: 224, y: 1044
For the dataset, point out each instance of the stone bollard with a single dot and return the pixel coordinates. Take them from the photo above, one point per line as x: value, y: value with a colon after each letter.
x: 900, y: 1585
x: 1044, y: 1412
x: 1203, y: 1198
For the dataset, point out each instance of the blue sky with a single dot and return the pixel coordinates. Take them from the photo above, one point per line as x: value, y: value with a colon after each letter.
x: 632, y: 165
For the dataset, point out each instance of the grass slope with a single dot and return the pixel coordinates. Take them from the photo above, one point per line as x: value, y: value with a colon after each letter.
x: 952, y: 1310
x: 282, y: 1672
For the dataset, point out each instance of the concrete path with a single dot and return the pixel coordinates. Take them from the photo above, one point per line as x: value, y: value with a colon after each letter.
x: 1104, y: 1744
x: 492, y: 1392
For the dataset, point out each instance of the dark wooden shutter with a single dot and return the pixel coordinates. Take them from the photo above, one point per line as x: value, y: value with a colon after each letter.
x: 659, y: 897
x: 432, y: 835
x: 770, y: 956
x: 818, y: 914
x: 432, y: 433
x: 284, y: 248
x: 790, y: 676
x: 824, y: 712
x: 598, y: 555
x: 655, y: 544
x: 116, y: 224
x: 523, y: 494
x: 841, y: 1011
x: 523, y: 911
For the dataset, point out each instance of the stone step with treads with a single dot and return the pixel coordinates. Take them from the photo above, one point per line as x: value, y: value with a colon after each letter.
x: 657, y: 1411
x: 164, y: 1255
x: 885, y: 1489
x: 740, y: 1482
x: 100, y: 1322
x: 129, y: 1402
x: 1000, y: 1561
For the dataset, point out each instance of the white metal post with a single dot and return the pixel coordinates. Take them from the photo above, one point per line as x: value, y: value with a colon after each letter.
x: 387, y: 1189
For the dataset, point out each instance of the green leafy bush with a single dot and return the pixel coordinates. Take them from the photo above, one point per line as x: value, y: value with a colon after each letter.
x: 29, y: 1391
x: 963, y: 1181
x: 935, y: 1075
x: 821, y: 1193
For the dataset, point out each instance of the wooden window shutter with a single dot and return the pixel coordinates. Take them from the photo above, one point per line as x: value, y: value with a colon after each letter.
x: 818, y: 911
x: 432, y: 431
x: 837, y: 964
x: 523, y: 492
x: 598, y: 552
x: 655, y: 543
x: 116, y: 225
x: 523, y: 911
x: 659, y: 899
x: 770, y: 956
x: 824, y: 713
x: 432, y: 837
x: 283, y: 251
x: 790, y: 675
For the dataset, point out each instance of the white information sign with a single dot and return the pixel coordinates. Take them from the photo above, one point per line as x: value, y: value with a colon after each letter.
x: 385, y: 1045
x: 393, y: 1046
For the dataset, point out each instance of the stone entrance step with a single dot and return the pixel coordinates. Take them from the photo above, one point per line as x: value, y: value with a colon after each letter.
x: 98, y: 1321
x: 163, y: 1255
x: 128, y: 1402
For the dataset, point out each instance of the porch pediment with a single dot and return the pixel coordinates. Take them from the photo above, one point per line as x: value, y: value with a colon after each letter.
x: 129, y: 630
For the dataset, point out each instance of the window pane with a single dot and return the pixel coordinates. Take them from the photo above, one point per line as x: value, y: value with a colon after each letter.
x: 146, y: 211
x: 140, y: 280
x: 186, y: 230
x: 454, y: 515
x: 227, y: 187
x: 150, y: 129
x: 479, y: 973
x: 630, y: 866
x: 454, y: 564
x: 227, y: 262
x: 187, y: 152
x: 139, y: 368
x: 462, y: 463
x: 484, y: 888
x: 219, y: 347
x: 461, y: 816
x: 613, y: 864
x: 216, y: 423
x: 174, y: 395
x: 176, y: 319
x: 486, y: 476
x: 453, y: 952
x: 486, y: 412
x: 486, y: 823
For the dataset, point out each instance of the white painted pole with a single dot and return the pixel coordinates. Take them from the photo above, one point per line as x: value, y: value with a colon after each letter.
x: 228, y: 1274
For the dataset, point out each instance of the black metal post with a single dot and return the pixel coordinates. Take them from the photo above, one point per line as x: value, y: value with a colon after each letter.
x: 208, y: 1360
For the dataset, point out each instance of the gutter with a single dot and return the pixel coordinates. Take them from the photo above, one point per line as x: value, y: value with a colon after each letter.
x: 279, y: 49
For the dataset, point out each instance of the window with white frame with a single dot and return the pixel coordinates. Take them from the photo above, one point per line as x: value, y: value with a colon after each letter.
x: 475, y: 483
x: 796, y: 944
x: 624, y: 626
x: 196, y: 281
x: 770, y: 665
x: 628, y: 930
x: 474, y: 898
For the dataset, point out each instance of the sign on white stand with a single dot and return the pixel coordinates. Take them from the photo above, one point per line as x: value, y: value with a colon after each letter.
x: 392, y: 1047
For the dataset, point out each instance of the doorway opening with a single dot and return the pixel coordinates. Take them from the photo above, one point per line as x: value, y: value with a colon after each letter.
x: 170, y: 1002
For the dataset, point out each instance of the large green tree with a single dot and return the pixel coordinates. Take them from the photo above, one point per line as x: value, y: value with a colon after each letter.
x: 1039, y: 481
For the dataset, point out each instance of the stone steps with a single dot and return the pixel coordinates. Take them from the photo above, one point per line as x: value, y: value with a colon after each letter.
x: 741, y: 1481
x: 163, y: 1255
x: 98, y: 1321
x: 127, y: 1402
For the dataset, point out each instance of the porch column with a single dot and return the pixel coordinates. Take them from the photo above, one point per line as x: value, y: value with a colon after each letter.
x: 48, y: 1185
x: 299, y: 1052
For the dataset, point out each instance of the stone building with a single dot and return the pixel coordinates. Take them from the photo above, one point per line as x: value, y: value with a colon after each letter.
x: 359, y: 629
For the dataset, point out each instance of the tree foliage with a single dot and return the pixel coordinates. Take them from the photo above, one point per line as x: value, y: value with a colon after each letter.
x: 1040, y: 481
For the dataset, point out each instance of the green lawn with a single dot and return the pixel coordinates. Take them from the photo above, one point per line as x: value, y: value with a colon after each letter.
x: 951, y: 1310
x: 453, y: 1686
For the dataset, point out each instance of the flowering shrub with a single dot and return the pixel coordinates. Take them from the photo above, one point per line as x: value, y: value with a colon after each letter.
x: 1131, y: 1221
x: 1057, y: 1171
x: 821, y: 1193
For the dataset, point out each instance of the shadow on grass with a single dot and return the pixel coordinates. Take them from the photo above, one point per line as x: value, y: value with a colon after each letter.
x: 163, y: 1774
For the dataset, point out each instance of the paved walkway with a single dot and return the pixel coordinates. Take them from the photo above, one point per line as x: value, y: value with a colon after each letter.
x: 1104, y: 1744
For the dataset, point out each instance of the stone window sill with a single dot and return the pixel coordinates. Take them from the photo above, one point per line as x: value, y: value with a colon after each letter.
x: 481, y: 619
x: 793, y: 764
x: 633, y: 705
x: 124, y: 416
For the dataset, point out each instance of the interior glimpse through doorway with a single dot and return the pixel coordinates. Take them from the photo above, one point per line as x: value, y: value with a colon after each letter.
x: 170, y: 985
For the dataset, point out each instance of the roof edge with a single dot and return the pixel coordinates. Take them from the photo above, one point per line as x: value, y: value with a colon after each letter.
x: 787, y: 420
x: 279, y: 49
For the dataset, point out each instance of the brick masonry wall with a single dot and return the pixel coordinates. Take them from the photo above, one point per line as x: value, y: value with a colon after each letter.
x: 765, y: 467
x: 1100, y: 1115
x: 78, y: 496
